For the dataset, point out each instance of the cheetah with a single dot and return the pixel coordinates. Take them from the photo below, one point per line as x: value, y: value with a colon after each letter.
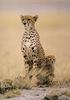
x: 31, y: 46
x: 33, y: 52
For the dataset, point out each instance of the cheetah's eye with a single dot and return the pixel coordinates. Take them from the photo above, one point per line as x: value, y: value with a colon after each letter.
x: 22, y: 19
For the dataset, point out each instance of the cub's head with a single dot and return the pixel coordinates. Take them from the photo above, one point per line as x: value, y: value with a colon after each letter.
x: 29, y: 21
x: 50, y: 59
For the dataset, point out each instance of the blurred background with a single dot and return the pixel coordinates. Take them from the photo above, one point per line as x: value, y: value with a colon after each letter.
x: 53, y: 26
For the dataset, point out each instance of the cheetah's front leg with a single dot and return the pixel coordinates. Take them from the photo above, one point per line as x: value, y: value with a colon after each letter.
x: 28, y: 65
x: 35, y: 62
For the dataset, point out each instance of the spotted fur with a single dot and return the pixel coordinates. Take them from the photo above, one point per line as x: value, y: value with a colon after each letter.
x: 31, y: 47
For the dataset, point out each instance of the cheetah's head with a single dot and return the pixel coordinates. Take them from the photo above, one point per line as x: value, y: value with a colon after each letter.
x: 28, y: 20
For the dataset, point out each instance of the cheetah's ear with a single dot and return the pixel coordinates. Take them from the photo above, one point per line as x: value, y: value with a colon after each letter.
x: 35, y: 18
x: 22, y: 17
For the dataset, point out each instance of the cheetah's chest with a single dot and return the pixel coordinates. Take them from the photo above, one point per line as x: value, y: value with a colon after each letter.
x: 28, y: 43
x: 29, y: 40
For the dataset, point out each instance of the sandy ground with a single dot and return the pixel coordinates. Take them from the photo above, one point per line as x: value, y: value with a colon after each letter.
x: 40, y: 93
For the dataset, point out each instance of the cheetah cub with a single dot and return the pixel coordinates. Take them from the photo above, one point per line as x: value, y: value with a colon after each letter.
x: 31, y: 47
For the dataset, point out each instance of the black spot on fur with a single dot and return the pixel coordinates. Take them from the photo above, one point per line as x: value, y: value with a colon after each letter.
x: 25, y: 56
x: 32, y: 48
x: 23, y: 48
x: 30, y: 76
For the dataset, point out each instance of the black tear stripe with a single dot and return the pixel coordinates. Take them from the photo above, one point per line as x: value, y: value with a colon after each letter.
x: 22, y: 19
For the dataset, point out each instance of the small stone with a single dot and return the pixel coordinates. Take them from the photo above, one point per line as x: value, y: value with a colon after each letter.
x: 55, y: 97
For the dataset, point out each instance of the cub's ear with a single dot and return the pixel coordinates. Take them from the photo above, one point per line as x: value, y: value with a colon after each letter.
x: 35, y: 18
